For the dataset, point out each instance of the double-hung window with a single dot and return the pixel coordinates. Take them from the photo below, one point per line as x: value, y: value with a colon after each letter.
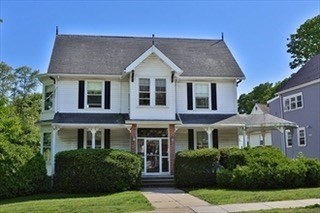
x: 98, y: 140
x: 201, y: 96
x: 302, y: 136
x: 46, y: 147
x: 288, y: 138
x: 48, y: 97
x: 152, y: 92
x: 144, y: 92
x: 94, y: 94
x: 160, y: 92
x: 201, y: 139
x: 293, y: 102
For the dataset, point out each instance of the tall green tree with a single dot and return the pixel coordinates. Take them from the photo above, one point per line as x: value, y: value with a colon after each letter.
x: 6, y: 80
x: 305, y: 43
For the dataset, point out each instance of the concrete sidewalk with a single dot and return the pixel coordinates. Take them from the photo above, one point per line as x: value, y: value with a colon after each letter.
x: 169, y: 199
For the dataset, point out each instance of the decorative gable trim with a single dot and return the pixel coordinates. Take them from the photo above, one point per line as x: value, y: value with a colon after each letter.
x: 146, y: 54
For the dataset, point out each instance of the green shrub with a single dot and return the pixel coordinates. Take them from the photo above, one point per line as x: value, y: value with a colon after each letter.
x: 22, y: 171
x: 313, y: 172
x: 196, y: 168
x: 224, y: 178
x: 96, y: 170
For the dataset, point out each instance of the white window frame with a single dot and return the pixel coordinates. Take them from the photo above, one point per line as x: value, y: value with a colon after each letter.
x: 287, y: 132
x: 304, y: 134
x: 161, y: 92
x: 48, y: 162
x: 152, y: 92
x: 86, y: 94
x: 196, y: 139
x: 194, y: 96
x: 85, y: 142
x: 289, y: 100
x: 50, y: 96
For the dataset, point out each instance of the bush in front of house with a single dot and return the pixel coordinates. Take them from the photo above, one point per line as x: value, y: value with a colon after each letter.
x: 268, y: 168
x: 196, y: 168
x: 22, y: 171
x: 96, y: 170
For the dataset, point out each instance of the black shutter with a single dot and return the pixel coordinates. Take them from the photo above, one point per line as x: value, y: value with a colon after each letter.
x: 80, y: 138
x: 107, y: 95
x: 189, y: 96
x: 215, y: 141
x: 81, y: 95
x: 213, y: 96
x: 107, y: 138
x: 190, y: 139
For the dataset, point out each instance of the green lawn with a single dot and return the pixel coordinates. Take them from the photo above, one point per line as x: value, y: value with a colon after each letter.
x: 119, y: 202
x: 224, y: 196
x: 308, y: 209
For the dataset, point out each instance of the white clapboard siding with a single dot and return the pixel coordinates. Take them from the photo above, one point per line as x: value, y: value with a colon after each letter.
x: 254, y: 139
x: 120, y: 139
x: 66, y: 140
x: 228, y: 138
x: 181, y: 139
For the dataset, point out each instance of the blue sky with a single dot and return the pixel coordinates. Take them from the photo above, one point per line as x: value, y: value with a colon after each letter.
x: 255, y: 31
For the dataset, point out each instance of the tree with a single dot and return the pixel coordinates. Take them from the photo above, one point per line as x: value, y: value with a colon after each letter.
x: 305, y: 43
x: 6, y: 80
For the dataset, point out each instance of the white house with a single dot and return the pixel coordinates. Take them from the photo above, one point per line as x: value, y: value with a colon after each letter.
x: 151, y: 96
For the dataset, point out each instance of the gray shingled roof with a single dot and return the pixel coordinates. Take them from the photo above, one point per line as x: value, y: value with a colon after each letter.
x: 309, y: 72
x: 89, y: 118
x: 203, y: 118
x: 77, y: 54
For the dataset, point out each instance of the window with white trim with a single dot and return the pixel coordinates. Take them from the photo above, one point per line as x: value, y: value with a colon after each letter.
x: 46, y: 147
x: 48, y: 97
x: 94, y: 94
x: 144, y: 92
x: 288, y: 138
x: 98, y: 140
x: 201, y: 139
x: 302, y: 136
x: 293, y: 102
x: 161, y: 92
x: 201, y: 94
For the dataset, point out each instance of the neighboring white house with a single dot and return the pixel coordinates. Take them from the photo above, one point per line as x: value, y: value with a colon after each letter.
x: 151, y: 96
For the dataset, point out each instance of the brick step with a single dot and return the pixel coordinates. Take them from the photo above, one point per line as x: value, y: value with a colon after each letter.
x: 149, y: 181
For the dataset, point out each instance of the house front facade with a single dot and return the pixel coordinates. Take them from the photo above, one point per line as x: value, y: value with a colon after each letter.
x: 150, y: 96
x: 299, y: 101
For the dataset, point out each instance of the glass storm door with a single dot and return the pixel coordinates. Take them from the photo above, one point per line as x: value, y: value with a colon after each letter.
x: 152, y: 157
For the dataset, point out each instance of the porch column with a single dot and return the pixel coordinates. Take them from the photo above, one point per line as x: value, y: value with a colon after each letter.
x: 282, y: 140
x: 133, y: 138
x: 53, y: 150
x: 263, y: 134
x: 93, y: 133
x: 244, y: 134
x: 172, y: 147
x: 209, y: 132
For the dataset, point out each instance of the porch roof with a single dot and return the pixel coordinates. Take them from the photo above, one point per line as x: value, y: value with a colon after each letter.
x: 203, y: 118
x: 89, y: 118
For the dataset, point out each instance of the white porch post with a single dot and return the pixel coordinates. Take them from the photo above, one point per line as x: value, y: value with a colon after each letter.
x: 53, y: 148
x: 93, y: 133
x: 263, y: 134
x: 244, y: 134
x: 209, y: 132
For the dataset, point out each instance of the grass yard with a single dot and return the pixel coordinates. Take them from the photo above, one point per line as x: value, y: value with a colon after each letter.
x: 129, y: 201
x: 308, y: 209
x: 224, y: 196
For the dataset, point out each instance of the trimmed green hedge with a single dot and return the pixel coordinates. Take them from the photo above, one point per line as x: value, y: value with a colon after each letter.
x: 96, y: 170
x: 266, y: 168
x: 196, y: 168
x: 22, y: 171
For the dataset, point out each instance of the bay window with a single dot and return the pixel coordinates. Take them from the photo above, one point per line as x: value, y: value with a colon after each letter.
x: 48, y: 97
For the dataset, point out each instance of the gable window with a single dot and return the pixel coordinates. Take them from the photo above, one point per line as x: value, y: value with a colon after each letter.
x: 46, y: 147
x: 94, y: 94
x: 288, y: 138
x: 48, y: 97
x: 160, y: 92
x: 98, y: 140
x: 201, y: 96
x: 144, y: 92
x: 201, y: 139
x: 293, y: 102
x: 301, y: 136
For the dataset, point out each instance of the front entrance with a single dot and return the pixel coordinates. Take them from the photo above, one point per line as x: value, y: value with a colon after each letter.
x: 154, y: 152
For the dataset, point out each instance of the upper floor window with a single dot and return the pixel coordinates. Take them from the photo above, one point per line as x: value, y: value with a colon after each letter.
x: 293, y: 102
x: 301, y: 136
x: 201, y: 139
x: 161, y: 92
x: 94, y: 94
x: 201, y: 94
x: 46, y: 147
x: 288, y: 138
x: 144, y: 92
x: 48, y: 97
x: 98, y: 140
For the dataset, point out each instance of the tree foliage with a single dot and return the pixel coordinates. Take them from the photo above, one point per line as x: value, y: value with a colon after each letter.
x: 260, y: 94
x: 305, y: 43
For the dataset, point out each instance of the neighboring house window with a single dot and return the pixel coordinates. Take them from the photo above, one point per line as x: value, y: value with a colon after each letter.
x: 302, y: 136
x: 46, y: 147
x: 144, y: 92
x: 201, y: 139
x: 160, y: 92
x: 293, y: 102
x: 201, y: 96
x: 288, y: 138
x: 48, y: 97
x: 94, y: 94
x: 98, y: 140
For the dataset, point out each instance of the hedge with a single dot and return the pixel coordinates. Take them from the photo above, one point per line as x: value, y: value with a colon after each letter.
x: 196, y: 168
x: 96, y: 170
x: 22, y: 171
